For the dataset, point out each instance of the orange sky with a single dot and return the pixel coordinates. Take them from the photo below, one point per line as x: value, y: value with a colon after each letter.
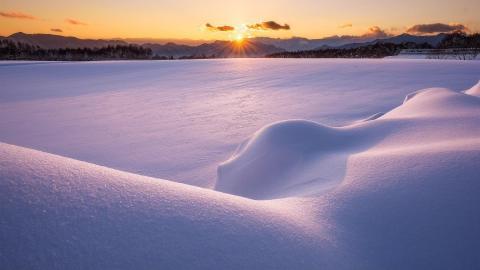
x: 179, y: 19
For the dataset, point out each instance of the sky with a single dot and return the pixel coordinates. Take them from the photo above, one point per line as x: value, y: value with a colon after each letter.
x: 188, y: 19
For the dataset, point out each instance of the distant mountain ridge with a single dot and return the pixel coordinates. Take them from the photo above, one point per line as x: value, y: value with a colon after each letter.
x: 432, y: 40
x: 456, y: 45
x: 299, y: 43
x: 217, y: 49
x: 304, y: 44
x: 253, y: 47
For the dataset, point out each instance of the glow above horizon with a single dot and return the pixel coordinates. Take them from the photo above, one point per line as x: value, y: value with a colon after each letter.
x: 184, y: 19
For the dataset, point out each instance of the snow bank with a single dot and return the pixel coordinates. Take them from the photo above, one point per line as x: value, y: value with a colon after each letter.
x: 298, y: 157
x: 287, y: 155
x: 59, y: 213
x: 397, y: 192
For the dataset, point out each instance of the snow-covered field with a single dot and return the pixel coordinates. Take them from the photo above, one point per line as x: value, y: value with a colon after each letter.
x: 179, y: 120
x: 399, y: 189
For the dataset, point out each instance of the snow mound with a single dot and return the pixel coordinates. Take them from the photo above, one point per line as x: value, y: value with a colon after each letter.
x: 435, y: 102
x: 262, y: 167
x: 299, y: 158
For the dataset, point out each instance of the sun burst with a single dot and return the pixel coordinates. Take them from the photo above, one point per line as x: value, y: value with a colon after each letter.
x: 239, y: 37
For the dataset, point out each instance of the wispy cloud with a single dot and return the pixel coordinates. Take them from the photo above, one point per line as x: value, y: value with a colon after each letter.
x: 224, y: 28
x: 269, y: 25
x: 75, y: 22
x: 58, y: 30
x: 436, y: 28
x: 347, y: 25
x: 17, y: 15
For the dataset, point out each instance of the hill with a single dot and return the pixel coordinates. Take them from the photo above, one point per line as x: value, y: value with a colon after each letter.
x: 432, y: 40
x: 48, y: 41
x: 299, y: 43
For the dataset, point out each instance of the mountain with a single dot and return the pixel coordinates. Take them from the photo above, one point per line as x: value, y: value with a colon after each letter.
x: 246, y: 48
x: 182, y: 41
x: 300, y: 44
x: 170, y: 49
x: 346, y: 42
x: 48, y: 41
x: 432, y: 40
x: 217, y: 49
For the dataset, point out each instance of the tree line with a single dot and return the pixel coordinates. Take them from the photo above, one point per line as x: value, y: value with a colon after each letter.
x: 377, y: 50
x: 460, y: 40
x: 10, y: 50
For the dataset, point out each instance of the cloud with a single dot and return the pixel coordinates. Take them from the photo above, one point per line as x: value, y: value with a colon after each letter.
x: 347, y: 25
x: 436, y: 28
x: 375, y: 32
x: 17, y: 15
x: 58, y: 30
x: 75, y: 22
x: 224, y: 28
x: 270, y: 25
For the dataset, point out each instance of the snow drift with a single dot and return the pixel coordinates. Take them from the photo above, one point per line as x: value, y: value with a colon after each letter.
x: 396, y: 192
x: 59, y: 213
x: 299, y: 157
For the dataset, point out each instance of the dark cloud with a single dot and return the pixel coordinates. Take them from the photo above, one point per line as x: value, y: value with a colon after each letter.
x: 17, y: 15
x: 224, y: 28
x: 58, y: 30
x: 347, y: 25
x: 436, y: 28
x: 75, y: 22
x: 270, y: 25
x: 375, y: 32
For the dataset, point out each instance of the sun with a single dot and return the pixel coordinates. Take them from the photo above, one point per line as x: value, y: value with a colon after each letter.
x: 239, y: 37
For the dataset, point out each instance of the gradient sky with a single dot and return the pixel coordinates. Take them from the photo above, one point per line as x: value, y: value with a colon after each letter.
x: 186, y: 18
